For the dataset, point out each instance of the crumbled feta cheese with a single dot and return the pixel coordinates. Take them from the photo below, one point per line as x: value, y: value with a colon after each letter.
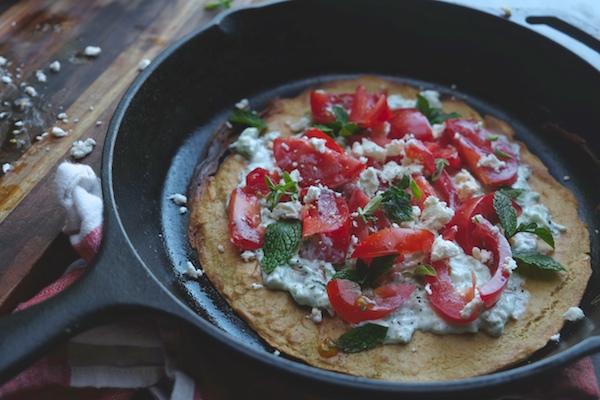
x: 247, y: 142
x: 435, y: 213
x: 3, y: 61
x: 438, y: 129
x: 143, y: 64
x: 508, y: 265
x: 491, y: 161
x: 256, y: 286
x: 573, y: 314
x: 183, y: 210
x: 98, y: 123
x: 316, y: 315
x: 30, y: 90
x: 40, y: 76
x: 482, y: 255
x: 7, y: 167
x: 178, y: 199
x: 466, y: 185
x: 193, y: 272
x: 312, y: 194
x: 58, y: 132
x: 276, y: 353
x: 6, y: 79
x: 318, y: 144
x: 62, y: 115
x: 433, y: 98
x: 428, y: 289
x: 299, y: 125
x: 397, y: 101
x: 221, y: 248
x: 395, y: 148
x: 82, y: 148
x: 287, y: 210
x: 243, y: 104
x: 54, y: 66
x: 248, y: 256
x: 471, y: 306
x: 92, y: 51
x: 555, y: 338
x: 368, y: 181
x: 369, y: 148
x: 443, y: 249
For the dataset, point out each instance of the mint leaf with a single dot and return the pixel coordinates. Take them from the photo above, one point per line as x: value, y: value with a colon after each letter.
x: 434, y: 115
x: 341, y: 126
x: 362, y: 338
x: 280, y: 243
x: 507, y: 214
x: 276, y: 192
x: 511, y: 193
x: 248, y: 118
x: 539, y: 260
x: 424, y: 270
x: 379, y: 267
x: 502, y: 155
x: 367, y: 213
x: 349, y: 274
x: 542, y: 233
x: 440, y: 164
x: 397, y: 201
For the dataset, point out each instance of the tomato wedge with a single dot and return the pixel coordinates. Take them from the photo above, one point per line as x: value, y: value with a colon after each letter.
x: 321, y: 104
x: 409, y: 120
x: 369, y: 110
x: 326, y: 228
x: 244, y: 220
x: 394, y: 241
x: 352, y: 305
x: 256, y: 184
x: 316, y: 164
x: 473, y: 144
x: 447, y: 301
x: 360, y: 229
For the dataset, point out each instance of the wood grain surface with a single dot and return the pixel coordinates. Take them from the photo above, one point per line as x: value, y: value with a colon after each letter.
x: 33, y: 34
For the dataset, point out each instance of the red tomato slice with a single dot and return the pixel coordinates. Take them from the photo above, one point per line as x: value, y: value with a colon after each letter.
x: 256, y: 183
x: 330, y: 168
x: 426, y: 190
x: 329, y: 141
x: 445, y: 299
x: 244, y: 220
x: 447, y: 152
x: 327, y: 227
x: 321, y: 104
x: 369, y: 110
x: 352, y: 305
x: 394, y: 241
x: 488, y: 237
x: 360, y: 229
x: 409, y: 120
x: 472, y: 143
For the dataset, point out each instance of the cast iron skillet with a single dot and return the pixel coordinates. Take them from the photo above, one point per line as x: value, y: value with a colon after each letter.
x: 165, y: 121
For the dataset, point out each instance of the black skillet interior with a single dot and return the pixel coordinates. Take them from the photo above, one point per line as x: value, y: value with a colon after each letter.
x: 544, y: 91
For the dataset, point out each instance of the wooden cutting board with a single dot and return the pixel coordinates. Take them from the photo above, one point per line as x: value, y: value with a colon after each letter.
x: 34, y: 34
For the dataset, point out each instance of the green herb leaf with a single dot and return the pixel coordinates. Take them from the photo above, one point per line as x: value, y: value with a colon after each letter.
x: 217, y: 4
x: 542, y: 233
x: 341, y: 126
x: 350, y: 274
x: 434, y: 115
x: 362, y: 338
x: 502, y: 155
x: 397, y: 201
x: 492, y: 138
x: 248, y: 118
x: 507, y: 214
x: 415, y: 189
x: 276, y: 192
x: 367, y: 213
x: 440, y: 164
x: 511, y: 193
x: 379, y: 267
x: 538, y: 260
x: 280, y: 242
x: 424, y: 270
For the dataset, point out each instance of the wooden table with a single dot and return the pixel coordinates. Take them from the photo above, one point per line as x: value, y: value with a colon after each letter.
x: 33, y: 34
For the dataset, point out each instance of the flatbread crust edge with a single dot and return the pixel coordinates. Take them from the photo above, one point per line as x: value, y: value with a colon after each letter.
x: 428, y: 357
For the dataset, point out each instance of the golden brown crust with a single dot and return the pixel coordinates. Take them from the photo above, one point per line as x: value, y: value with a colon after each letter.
x: 428, y: 357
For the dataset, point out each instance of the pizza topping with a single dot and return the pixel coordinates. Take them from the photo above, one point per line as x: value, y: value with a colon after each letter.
x: 391, y: 214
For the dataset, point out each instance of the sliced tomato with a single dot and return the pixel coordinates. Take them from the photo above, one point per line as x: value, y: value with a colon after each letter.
x: 329, y: 141
x: 326, y: 228
x: 369, y: 110
x: 446, y: 300
x: 316, y: 165
x: 256, y: 183
x: 352, y: 305
x: 394, y: 241
x: 487, y: 236
x: 405, y: 121
x: 321, y: 104
x: 473, y: 142
x: 447, y: 152
x: 244, y: 220
x: 360, y: 229
x: 425, y: 188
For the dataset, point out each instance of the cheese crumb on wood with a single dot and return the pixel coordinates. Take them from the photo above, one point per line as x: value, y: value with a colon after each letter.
x: 82, y: 148
x: 59, y: 132
x: 92, y: 51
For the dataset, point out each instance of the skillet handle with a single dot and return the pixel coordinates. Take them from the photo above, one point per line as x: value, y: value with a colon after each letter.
x: 113, y: 287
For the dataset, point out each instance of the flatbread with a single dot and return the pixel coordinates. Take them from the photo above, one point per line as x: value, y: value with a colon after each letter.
x: 428, y: 357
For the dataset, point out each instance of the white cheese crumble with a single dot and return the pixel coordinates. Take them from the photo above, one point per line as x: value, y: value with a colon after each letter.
x: 471, y: 306
x: 6, y: 79
x: 3, y: 61
x: 143, y: 64
x: 30, y: 90
x: 62, y: 115
x: 466, y: 185
x: 243, y: 104
x: 248, y: 256
x: 435, y: 214
x: 82, y: 148
x: 7, y: 167
x: 178, y: 198
x: 312, y: 194
x: 247, y: 143
x: 54, y: 66
x: 192, y: 272
x: 555, y: 338
x: 92, y: 51
x: 492, y: 162
x: 443, y: 249
x: 316, y: 315
x: 40, y: 76
x: 573, y: 314
x: 58, y: 132
x: 299, y: 125
x: 318, y: 144
x: 256, y: 286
